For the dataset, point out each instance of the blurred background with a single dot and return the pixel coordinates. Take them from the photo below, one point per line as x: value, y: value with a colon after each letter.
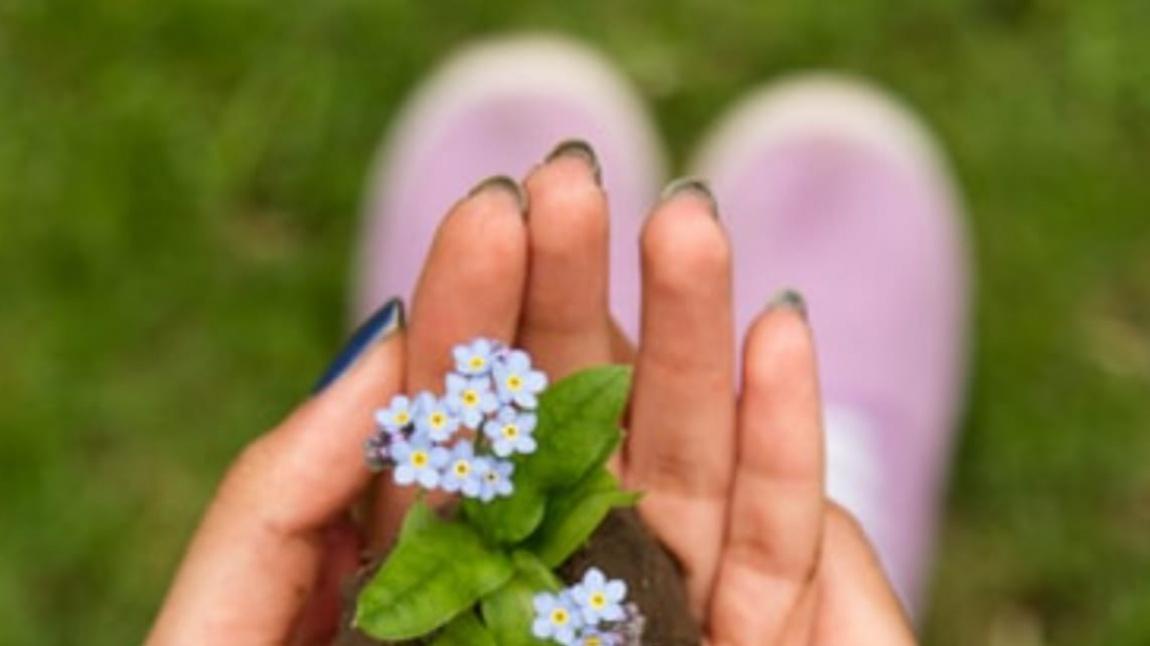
x: 179, y: 187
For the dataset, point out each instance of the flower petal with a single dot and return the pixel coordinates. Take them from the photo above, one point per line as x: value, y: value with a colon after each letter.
x: 404, y: 475
x: 543, y: 602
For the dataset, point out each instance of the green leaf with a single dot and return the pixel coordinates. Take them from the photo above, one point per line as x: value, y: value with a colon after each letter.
x: 578, y: 425
x: 509, y: 520
x: 418, y: 517
x: 578, y: 430
x: 573, y: 516
x: 465, y: 630
x: 437, y: 569
x: 509, y: 611
x: 529, y: 568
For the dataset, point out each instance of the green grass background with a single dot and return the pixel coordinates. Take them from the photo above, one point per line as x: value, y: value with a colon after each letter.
x: 179, y: 185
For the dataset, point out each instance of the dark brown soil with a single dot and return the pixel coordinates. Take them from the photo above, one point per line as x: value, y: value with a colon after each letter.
x: 623, y: 548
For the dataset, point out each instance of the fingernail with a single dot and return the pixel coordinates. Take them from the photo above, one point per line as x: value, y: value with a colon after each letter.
x: 380, y: 325
x: 581, y: 150
x: 502, y: 183
x: 691, y: 186
x: 789, y: 299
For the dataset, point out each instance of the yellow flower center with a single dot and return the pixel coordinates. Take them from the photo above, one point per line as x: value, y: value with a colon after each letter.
x: 462, y: 468
x: 559, y: 617
x: 593, y: 640
x: 597, y: 600
x: 476, y: 362
x: 437, y: 420
x: 402, y: 418
x: 511, y: 431
x: 419, y: 458
x: 470, y: 398
x: 514, y: 382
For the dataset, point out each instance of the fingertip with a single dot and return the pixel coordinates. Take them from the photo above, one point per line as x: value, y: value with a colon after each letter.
x: 683, y: 245
x: 498, y: 190
x: 779, y: 345
x: 377, y: 374
x: 781, y: 431
x: 471, y: 284
x: 692, y: 188
x: 565, y: 320
x: 580, y: 150
x: 487, y: 229
x: 568, y: 212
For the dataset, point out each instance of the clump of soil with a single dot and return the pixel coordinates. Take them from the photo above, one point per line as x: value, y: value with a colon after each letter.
x: 624, y: 549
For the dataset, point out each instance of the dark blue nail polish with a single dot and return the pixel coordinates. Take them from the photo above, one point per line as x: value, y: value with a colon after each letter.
x: 378, y: 326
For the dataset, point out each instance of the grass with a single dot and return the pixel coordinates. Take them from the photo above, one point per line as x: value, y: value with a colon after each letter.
x: 178, y: 202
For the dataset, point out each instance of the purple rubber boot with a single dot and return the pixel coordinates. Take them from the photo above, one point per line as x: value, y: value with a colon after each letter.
x: 830, y: 188
x: 499, y: 108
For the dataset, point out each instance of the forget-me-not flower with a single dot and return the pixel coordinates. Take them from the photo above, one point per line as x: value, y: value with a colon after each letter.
x: 475, y: 359
x: 470, y: 399
x: 397, y: 416
x: 510, y: 431
x: 555, y: 618
x: 599, y: 599
x: 494, y: 478
x: 516, y: 381
x: 433, y: 418
x: 461, y: 473
x: 418, y: 461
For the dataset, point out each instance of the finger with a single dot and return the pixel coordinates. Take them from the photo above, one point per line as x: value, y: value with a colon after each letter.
x: 318, y: 623
x: 253, y: 562
x: 472, y: 285
x: 565, y: 323
x: 858, y: 606
x: 775, y: 520
x: 680, y: 450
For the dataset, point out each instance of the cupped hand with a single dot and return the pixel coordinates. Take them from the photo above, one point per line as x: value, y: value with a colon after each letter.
x: 733, y: 481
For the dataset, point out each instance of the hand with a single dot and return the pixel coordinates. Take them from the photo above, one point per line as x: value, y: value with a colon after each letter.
x: 734, y: 489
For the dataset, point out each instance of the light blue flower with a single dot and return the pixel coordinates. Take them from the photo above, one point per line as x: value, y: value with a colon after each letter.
x: 510, y: 431
x: 397, y: 416
x: 598, y: 598
x: 462, y: 474
x: 470, y: 399
x: 475, y: 359
x: 433, y: 418
x: 555, y: 618
x: 516, y: 381
x: 418, y: 461
x: 494, y: 478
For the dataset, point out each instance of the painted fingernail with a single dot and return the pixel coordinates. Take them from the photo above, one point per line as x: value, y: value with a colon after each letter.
x: 505, y: 184
x: 789, y: 299
x: 383, y: 323
x: 693, y: 186
x: 580, y: 149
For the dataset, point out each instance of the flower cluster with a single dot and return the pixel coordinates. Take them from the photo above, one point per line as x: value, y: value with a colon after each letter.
x: 493, y: 392
x: 592, y: 612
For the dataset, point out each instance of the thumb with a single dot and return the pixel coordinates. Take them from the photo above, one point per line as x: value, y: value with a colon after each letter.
x: 857, y: 605
x: 255, y: 557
